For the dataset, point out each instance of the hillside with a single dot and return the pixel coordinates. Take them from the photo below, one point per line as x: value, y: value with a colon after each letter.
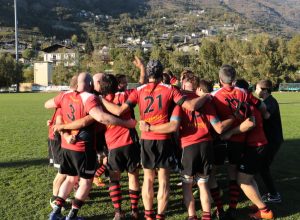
x: 62, y: 18
x: 277, y: 13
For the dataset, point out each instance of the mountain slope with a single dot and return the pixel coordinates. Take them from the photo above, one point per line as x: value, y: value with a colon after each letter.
x: 280, y: 13
x: 61, y: 17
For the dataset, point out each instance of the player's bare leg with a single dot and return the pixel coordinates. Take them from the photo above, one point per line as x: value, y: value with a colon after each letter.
x: 247, y: 184
x: 133, y: 180
x: 204, y: 196
x: 189, y: 201
x: 148, y: 191
x: 57, y: 182
x: 163, y: 190
x: 249, y: 187
x: 204, y: 193
x: 67, y: 186
x: 84, y: 188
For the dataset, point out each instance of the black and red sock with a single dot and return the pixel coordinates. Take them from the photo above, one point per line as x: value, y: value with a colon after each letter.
x: 115, y: 195
x: 234, y: 193
x: 59, y: 203
x: 206, y: 216
x: 149, y: 214
x: 265, y: 209
x: 76, y: 205
x: 134, y: 199
x: 216, y: 195
x: 100, y: 170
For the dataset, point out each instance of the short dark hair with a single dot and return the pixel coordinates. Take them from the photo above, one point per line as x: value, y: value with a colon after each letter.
x: 109, y: 84
x: 192, y: 79
x: 119, y: 77
x: 241, y: 83
x: 166, y: 78
x: 154, y: 69
x: 227, y: 74
x: 169, y: 72
x: 206, y: 86
x: 266, y: 84
x: 185, y: 74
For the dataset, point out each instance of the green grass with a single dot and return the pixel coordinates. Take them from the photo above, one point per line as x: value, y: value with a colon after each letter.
x: 25, y: 178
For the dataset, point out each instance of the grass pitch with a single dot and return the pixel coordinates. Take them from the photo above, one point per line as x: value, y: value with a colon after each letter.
x: 26, y: 179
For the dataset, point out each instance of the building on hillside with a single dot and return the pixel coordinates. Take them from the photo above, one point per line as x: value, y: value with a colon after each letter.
x: 58, y: 53
x: 146, y: 46
x: 187, y: 48
x: 209, y: 32
x: 9, y: 47
x: 42, y: 73
x: 104, y: 53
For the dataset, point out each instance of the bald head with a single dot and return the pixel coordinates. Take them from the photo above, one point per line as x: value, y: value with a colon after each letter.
x: 85, y: 82
x: 97, y: 78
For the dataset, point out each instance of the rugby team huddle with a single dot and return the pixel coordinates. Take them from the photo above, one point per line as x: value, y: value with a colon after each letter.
x: 189, y: 127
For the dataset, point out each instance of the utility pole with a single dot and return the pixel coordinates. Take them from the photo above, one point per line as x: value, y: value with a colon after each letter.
x: 16, y: 31
x: 16, y: 47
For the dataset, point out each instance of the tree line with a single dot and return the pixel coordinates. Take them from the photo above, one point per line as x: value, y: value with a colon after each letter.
x: 259, y: 56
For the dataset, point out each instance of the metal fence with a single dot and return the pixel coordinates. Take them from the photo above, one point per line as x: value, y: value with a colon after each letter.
x: 292, y: 87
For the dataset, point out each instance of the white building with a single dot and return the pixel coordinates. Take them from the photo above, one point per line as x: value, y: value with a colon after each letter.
x: 58, y: 53
x: 42, y: 73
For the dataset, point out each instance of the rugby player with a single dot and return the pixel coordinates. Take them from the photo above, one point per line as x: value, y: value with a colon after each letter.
x: 154, y: 100
x: 251, y: 161
x: 228, y: 101
x: 54, y: 143
x: 196, y: 143
x: 273, y: 131
x: 79, y: 159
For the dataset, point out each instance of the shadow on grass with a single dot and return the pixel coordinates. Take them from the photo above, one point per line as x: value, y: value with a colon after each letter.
x: 22, y: 163
x: 285, y: 172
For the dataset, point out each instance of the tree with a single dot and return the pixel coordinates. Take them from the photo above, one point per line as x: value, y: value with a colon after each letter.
x: 178, y: 61
x: 96, y: 64
x: 10, y: 71
x: 61, y: 74
x: 294, y: 51
x: 89, y: 47
x: 210, y: 60
x: 74, y: 39
x: 160, y: 53
x: 28, y: 75
x: 28, y: 54
x: 123, y: 64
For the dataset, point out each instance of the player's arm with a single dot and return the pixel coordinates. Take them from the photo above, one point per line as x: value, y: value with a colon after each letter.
x: 113, y: 108
x: 221, y: 126
x: 261, y: 106
x: 139, y: 64
x: 102, y: 117
x: 50, y: 104
x: 196, y: 103
x: 245, y: 126
x: 75, y: 125
x: 166, y: 128
x: 71, y: 139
